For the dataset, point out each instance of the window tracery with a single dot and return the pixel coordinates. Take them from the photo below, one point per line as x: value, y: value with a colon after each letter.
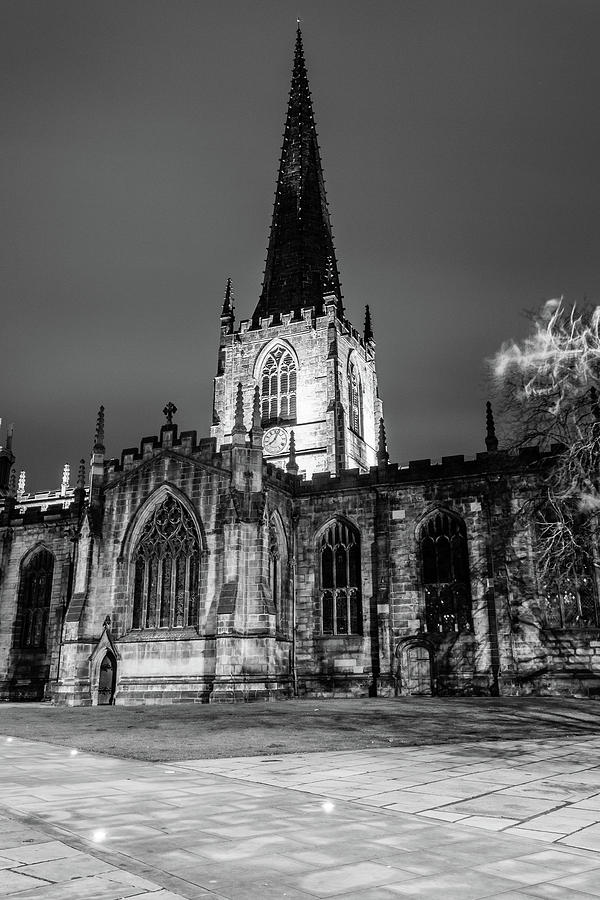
x: 35, y: 592
x: 445, y: 573
x: 278, y: 387
x: 341, y: 604
x: 166, y: 569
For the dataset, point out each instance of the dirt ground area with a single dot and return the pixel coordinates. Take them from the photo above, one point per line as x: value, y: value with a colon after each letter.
x: 186, y: 731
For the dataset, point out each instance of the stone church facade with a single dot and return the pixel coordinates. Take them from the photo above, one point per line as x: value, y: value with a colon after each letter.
x: 285, y: 555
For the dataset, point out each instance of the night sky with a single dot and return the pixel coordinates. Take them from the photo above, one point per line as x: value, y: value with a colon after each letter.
x: 139, y: 146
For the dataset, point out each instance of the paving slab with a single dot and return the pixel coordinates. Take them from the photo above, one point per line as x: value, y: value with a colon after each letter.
x: 347, y: 824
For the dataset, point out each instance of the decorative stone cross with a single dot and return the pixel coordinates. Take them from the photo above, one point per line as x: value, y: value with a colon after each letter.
x: 169, y: 411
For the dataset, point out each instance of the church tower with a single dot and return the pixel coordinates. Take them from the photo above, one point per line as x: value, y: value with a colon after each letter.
x: 315, y: 372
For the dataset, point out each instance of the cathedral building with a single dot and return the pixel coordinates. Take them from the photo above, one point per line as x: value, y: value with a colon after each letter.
x: 284, y: 555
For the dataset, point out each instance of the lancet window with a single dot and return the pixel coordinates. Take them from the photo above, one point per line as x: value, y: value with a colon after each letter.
x: 35, y: 592
x: 341, y: 604
x: 445, y: 573
x: 277, y: 569
x: 354, y: 399
x: 278, y: 387
x: 166, y: 563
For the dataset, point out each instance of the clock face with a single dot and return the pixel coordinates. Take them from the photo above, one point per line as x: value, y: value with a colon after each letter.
x: 275, y: 440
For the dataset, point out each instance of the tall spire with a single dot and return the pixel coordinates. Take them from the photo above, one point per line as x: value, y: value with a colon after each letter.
x: 300, y: 257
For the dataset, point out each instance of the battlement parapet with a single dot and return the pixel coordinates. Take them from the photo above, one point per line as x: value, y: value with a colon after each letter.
x: 456, y: 466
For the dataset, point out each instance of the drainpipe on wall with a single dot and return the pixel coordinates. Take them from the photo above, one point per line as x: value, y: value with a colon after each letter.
x: 490, y: 597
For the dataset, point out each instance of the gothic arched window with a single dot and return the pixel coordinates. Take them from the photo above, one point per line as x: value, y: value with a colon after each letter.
x: 166, y: 562
x: 445, y: 573
x: 340, y: 580
x: 278, y: 387
x: 354, y: 399
x: 35, y: 592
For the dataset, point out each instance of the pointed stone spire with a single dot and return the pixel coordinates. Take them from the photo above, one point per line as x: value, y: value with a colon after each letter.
x: 368, y: 333
x: 382, y: 451
x: 12, y: 483
x: 238, y: 433
x: 227, y: 313
x: 256, y: 433
x: 300, y: 262
x: 292, y: 465
x: 99, y: 435
x: 21, y: 483
x: 491, y: 441
x: 9, y: 436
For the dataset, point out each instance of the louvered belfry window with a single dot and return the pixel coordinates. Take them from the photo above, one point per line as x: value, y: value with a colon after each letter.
x: 354, y: 400
x: 166, y: 564
x: 278, y: 387
x: 445, y: 573
x: 35, y: 592
x: 340, y: 580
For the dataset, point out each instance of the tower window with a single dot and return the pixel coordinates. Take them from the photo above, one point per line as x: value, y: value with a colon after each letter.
x: 166, y: 569
x: 35, y: 592
x: 354, y: 399
x: 341, y: 603
x: 445, y: 573
x: 278, y: 387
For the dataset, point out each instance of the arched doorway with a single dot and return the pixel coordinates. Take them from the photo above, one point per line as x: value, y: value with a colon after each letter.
x: 415, y: 669
x: 107, y: 680
x: 418, y: 666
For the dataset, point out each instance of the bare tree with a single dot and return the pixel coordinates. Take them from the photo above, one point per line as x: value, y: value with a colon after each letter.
x: 547, y: 386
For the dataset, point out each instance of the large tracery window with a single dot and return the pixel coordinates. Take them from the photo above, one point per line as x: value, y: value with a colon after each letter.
x: 35, y: 592
x: 354, y: 399
x: 571, y: 598
x: 340, y: 580
x: 445, y: 572
x: 278, y: 387
x: 166, y: 565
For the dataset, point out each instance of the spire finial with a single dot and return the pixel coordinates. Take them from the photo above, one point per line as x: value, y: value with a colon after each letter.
x: 491, y: 441
x: 169, y: 411
x: 66, y: 478
x: 256, y: 432
x: 382, y: 451
x: 12, y: 483
x: 9, y: 436
x: 368, y: 333
x: 81, y: 475
x: 21, y: 484
x: 238, y: 426
x: 227, y: 312
x: 292, y: 465
x: 99, y: 435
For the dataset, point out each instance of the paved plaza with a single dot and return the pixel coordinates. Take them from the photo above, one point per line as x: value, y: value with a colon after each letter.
x: 505, y: 819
